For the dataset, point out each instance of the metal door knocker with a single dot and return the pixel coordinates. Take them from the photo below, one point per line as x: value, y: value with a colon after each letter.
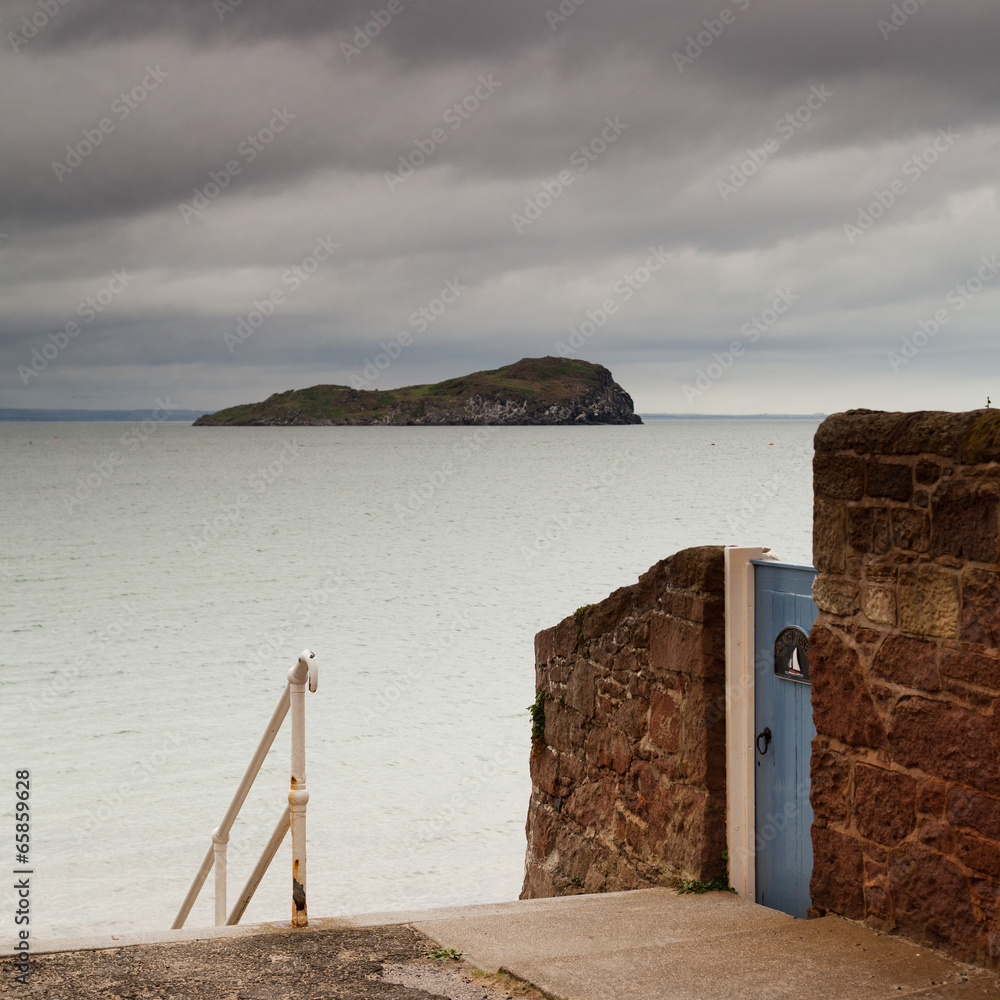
x: 766, y: 737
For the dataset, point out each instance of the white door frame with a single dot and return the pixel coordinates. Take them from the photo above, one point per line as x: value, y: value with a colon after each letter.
x: 740, y: 758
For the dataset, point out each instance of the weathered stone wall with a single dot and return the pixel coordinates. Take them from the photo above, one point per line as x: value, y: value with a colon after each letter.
x: 906, y: 675
x: 628, y: 780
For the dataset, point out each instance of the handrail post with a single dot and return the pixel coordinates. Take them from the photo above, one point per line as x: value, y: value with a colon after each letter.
x: 298, y: 795
x: 221, y: 841
x: 294, y: 818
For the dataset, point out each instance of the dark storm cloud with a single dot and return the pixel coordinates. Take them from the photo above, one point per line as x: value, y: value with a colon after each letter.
x: 749, y: 135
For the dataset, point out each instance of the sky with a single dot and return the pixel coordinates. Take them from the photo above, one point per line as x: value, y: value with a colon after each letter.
x: 761, y: 206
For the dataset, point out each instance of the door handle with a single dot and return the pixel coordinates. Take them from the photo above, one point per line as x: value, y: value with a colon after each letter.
x: 764, y: 735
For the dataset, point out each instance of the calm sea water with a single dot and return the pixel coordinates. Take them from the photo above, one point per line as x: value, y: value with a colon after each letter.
x: 159, y: 580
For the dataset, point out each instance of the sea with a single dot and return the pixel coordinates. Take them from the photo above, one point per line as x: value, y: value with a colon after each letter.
x: 157, y: 582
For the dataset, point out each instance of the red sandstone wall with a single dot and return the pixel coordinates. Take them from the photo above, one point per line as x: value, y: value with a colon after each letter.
x: 628, y: 782
x: 905, y: 664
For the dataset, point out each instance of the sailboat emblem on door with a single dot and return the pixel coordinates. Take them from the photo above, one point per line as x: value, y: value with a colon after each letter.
x: 791, y: 654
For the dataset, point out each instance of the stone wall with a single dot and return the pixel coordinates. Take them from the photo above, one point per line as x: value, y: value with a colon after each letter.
x: 905, y: 660
x: 628, y: 777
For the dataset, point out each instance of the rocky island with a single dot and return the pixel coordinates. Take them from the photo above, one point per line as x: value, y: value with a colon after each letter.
x: 530, y: 391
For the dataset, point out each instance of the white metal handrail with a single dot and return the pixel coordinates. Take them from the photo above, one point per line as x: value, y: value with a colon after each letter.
x: 305, y: 671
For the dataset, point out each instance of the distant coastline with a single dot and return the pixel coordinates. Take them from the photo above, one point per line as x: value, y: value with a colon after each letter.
x: 97, y: 416
x: 733, y: 416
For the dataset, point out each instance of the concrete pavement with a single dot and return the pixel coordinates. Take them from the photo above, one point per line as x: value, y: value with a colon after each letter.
x: 650, y: 944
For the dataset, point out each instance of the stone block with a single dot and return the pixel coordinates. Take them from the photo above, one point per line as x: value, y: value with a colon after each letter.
x: 829, y: 535
x: 543, y: 825
x: 605, y: 617
x: 545, y: 646
x: 981, y: 438
x: 945, y: 741
x: 676, y: 645
x: 931, y: 797
x: 884, y: 804
x: 592, y: 804
x: 972, y: 667
x: 927, y: 600
x: 965, y: 437
x: 980, y: 616
x: 581, y: 688
x: 842, y: 705
x: 978, y: 853
x: 932, y: 900
x: 829, y: 777
x: 563, y: 728
x: 838, y: 874
x: 544, y: 769
x: 975, y: 811
x: 868, y: 530
x: 889, y: 480
x: 609, y: 748
x: 836, y: 595
x: 838, y: 477
x: 911, y: 529
x: 965, y: 521
x: 631, y: 718
x: 699, y: 568
x: 937, y: 835
x: 696, y: 607
x: 879, y: 604
x: 664, y: 721
x: 687, y: 829
x: 910, y: 662
x: 927, y: 473
x: 538, y: 883
x: 566, y: 638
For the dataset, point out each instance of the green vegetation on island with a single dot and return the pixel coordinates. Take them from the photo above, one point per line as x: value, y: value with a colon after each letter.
x: 531, y: 391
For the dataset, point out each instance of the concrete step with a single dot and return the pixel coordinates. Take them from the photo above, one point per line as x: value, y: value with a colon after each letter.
x: 651, y: 944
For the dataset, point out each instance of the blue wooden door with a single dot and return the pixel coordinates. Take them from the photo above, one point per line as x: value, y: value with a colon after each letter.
x: 784, y: 614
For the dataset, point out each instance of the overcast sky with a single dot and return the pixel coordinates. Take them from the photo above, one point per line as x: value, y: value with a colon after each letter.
x: 762, y: 205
